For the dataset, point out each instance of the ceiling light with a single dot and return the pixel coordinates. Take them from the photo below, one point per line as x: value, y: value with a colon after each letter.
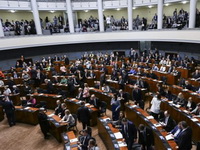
x: 52, y: 11
x: 184, y: 2
x: 12, y: 11
x: 134, y: 7
x: 167, y: 4
x: 118, y: 9
x: 150, y: 6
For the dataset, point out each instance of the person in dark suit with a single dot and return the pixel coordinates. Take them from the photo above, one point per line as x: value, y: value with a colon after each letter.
x: 168, y: 122
x: 129, y: 132
x: 49, y: 84
x: 146, y: 138
x: 114, y: 75
x: 123, y: 97
x: 66, y: 59
x: 43, y: 122
x: 62, y: 112
x: 58, y: 109
x: 188, y: 86
x: 189, y: 104
x: 9, y: 109
x: 196, y: 111
x: 121, y: 82
x: 94, y: 101
x: 83, y: 115
x: 176, y: 131
x: 102, y: 79
x: 137, y: 96
x: 84, y: 140
x: 185, y: 138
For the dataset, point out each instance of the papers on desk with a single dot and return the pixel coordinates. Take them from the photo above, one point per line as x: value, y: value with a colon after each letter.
x: 150, y: 117
x: 27, y: 108
x: 58, y: 96
x: 162, y: 123
x: 91, y: 88
x: 169, y: 137
x: 106, y: 119
x: 193, y: 93
x: 65, y: 137
x: 118, y: 135
x: 170, y: 102
x: 122, y: 144
x: 177, y: 106
x: 51, y: 115
x: 157, y: 125
x: 73, y: 140
x: 143, y: 89
x: 133, y: 106
x: 185, y: 90
x: 87, y: 104
x: 195, y: 119
x: 41, y: 94
x: 186, y: 111
x: 73, y: 99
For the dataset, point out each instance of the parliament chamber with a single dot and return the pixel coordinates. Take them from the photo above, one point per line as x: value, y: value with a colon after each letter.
x: 127, y: 78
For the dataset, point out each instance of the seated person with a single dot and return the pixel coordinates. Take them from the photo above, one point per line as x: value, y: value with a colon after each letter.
x: 92, y: 145
x: 196, y: 75
x: 118, y: 123
x: 176, y: 131
x: 190, y: 105
x: 94, y: 101
x: 62, y: 113
x: 106, y: 88
x: 188, y: 86
x: 196, y: 111
x: 180, y: 99
x: 15, y: 89
x: 167, y: 122
x: 63, y: 70
x: 63, y: 80
x: 1, y: 83
x: 55, y: 80
x: 80, y: 94
x: 84, y: 140
x: 31, y: 102
x: 58, y: 109
x: 68, y: 118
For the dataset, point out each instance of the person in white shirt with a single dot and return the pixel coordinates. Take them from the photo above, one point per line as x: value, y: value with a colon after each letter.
x: 6, y: 91
x: 163, y: 68
x: 1, y: 83
x: 155, y: 106
x: 92, y: 145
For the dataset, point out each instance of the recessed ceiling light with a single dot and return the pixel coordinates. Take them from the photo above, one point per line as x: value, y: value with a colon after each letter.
x: 150, y: 6
x: 118, y: 9
x: 12, y: 11
x: 134, y: 7
x: 167, y: 4
x: 86, y: 10
x: 184, y: 2
x: 52, y: 11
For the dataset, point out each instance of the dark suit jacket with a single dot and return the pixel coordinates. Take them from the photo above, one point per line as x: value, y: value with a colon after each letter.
x: 8, y: 107
x: 193, y: 105
x: 102, y: 79
x: 137, y: 96
x: 148, y: 140
x: 84, y: 140
x: 170, y: 124
x: 185, y: 139
x: 83, y: 114
x: 97, y: 105
x: 132, y: 131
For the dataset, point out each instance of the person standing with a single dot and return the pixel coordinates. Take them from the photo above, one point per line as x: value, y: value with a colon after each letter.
x: 155, y: 106
x: 115, y: 104
x: 83, y: 115
x: 9, y: 109
x: 129, y: 132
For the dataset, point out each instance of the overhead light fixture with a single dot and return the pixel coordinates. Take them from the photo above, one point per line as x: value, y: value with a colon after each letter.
x: 12, y: 11
x: 86, y: 10
x: 52, y: 11
x: 118, y: 9
x: 103, y: 10
x: 134, y: 7
x: 150, y: 6
x: 167, y: 4
x: 184, y: 2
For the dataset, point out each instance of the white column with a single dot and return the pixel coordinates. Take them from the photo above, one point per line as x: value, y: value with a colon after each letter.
x: 130, y: 15
x: 100, y: 14
x: 36, y: 17
x: 1, y: 29
x: 64, y: 17
x: 192, y: 19
x: 70, y: 16
x: 160, y: 14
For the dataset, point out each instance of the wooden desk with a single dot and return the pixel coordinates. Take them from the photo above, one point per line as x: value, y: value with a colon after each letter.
x: 1, y: 113
x: 17, y: 81
x: 171, y: 79
x: 56, y: 86
x: 50, y: 99
x: 106, y: 97
x: 27, y: 115
x: 178, y: 115
x: 73, y: 105
x: 67, y: 136
x: 185, y: 73
x: 187, y: 93
x: 16, y: 99
x: 106, y: 132
x: 194, y: 82
x: 56, y: 128
x: 138, y: 116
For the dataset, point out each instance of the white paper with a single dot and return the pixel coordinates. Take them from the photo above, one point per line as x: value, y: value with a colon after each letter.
x: 118, y: 135
x: 178, y: 106
x: 73, y: 140
x: 170, y: 102
x: 105, y: 119
x: 122, y: 144
x: 91, y: 88
x: 27, y: 108
x: 150, y: 117
x: 186, y: 111
x: 169, y: 137
x: 195, y: 119
x: 51, y: 115
x: 73, y: 99
x: 157, y: 125
x: 133, y: 106
x: 87, y: 104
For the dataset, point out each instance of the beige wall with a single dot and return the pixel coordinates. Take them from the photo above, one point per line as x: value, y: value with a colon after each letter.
x: 86, y: 15
x: 44, y: 14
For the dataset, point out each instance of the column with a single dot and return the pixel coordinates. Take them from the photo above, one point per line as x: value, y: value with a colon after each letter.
x: 130, y: 15
x: 1, y: 29
x: 160, y: 14
x: 192, y: 19
x: 100, y: 14
x: 65, y: 17
x: 36, y: 17
x: 70, y: 16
